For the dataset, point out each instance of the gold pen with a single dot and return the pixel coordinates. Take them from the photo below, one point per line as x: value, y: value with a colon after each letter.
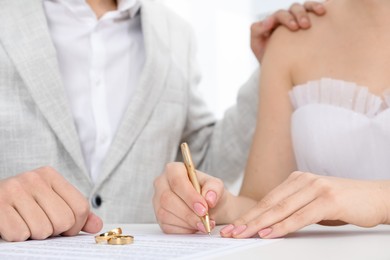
x: 194, y: 180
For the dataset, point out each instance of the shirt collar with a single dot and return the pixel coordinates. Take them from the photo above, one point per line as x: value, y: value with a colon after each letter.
x: 130, y: 6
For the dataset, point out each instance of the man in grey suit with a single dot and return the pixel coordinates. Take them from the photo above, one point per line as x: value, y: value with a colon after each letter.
x: 95, y: 98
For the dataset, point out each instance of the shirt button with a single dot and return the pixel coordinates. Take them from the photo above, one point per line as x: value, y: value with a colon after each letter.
x: 96, y: 201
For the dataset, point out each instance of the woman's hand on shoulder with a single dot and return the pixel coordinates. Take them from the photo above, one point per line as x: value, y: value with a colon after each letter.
x: 295, y: 18
x: 305, y: 199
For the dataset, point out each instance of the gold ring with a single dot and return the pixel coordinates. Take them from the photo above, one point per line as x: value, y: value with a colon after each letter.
x: 121, y: 240
x: 112, y: 232
x: 102, y: 239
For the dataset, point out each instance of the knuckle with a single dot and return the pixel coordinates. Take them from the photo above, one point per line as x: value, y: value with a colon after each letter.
x: 64, y: 224
x: 298, y: 217
x: 166, y: 198
x: 320, y: 184
x: 157, y: 182
x: 13, y: 188
x: 43, y: 233
x: 175, y: 183
x: 161, y: 215
x: 281, y: 206
x: 172, y: 167
x: 83, y: 208
x: 297, y: 174
x: 264, y: 204
x: 282, y: 15
x: 32, y: 178
x: 296, y: 6
x: 280, y: 12
x: 218, y: 183
x: 19, y: 236
x: 46, y: 169
x: 240, y: 221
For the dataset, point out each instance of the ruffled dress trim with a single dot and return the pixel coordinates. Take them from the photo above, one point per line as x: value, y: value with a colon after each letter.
x: 339, y: 93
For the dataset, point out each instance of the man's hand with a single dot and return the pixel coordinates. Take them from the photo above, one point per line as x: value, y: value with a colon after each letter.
x: 41, y: 203
x: 178, y: 205
x: 295, y: 18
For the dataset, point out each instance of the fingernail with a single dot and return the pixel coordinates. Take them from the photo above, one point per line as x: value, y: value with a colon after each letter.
x: 199, y: 209
x: 226, y: 230
x: 304, y: 21
x: 212, y: 224
x: 293, y: 24
x: 238, y: 230
x: 265, y: 232
x: 211, y: 197
x: 201, y: 227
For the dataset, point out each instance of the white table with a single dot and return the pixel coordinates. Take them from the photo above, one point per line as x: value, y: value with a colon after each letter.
x: 314, y: 242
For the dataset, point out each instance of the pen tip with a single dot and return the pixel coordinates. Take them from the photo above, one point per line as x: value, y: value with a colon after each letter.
x: 209, y: 234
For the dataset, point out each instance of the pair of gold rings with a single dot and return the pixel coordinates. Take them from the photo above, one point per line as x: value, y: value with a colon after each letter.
x: 114, y: 237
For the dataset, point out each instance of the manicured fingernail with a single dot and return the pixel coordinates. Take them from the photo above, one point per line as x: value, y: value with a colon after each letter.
x: 212, y: 224
x: 226, y: 230
x: 199, y: 209
x: 211, y: 197
x: 201, y: 227
x: 238, y: 230
x: 265, y: 232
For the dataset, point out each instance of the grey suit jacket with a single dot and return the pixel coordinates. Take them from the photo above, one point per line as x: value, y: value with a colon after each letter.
x: 37, y: 128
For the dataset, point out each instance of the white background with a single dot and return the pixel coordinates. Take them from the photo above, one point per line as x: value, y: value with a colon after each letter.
x: 224, y: 55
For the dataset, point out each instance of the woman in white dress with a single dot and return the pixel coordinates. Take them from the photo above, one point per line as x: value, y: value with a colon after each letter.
x: 321, y: 149
x: 325, y: 116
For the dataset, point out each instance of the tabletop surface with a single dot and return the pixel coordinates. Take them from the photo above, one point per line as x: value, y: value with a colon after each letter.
x: 314, y: 242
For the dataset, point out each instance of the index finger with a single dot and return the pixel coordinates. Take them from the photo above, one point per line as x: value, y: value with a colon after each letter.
x: 181, y: 185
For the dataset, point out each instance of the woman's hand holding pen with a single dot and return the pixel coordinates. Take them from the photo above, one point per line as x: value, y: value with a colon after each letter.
x: 41, y: 203
x: 178, y: 205
x: 305, y: 199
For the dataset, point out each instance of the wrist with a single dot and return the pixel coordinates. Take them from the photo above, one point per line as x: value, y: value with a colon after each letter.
x: 385, y: 199
x: 231, y: 207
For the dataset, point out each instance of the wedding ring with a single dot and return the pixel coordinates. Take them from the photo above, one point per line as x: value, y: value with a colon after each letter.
x: 102, y: 239
x: 112, y: 232
x: 120, y: 240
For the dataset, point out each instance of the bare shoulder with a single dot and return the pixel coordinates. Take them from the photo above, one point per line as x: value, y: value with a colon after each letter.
x: 296, y: 50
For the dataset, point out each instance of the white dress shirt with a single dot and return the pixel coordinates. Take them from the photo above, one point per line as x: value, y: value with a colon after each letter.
x: 100, y: 61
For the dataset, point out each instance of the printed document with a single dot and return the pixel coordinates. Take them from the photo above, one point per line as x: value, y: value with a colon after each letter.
x: 148, y: 244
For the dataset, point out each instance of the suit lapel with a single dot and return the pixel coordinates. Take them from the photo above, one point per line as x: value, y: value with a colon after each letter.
x: 149, y: 89
x: 25, y: 36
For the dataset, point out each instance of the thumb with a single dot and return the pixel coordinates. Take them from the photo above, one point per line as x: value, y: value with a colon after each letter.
x: 93, y: 224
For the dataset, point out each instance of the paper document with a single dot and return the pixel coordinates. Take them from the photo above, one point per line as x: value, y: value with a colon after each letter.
x: 148, y: 245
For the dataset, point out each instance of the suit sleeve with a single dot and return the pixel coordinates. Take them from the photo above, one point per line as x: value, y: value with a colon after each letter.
x: 220, y: 148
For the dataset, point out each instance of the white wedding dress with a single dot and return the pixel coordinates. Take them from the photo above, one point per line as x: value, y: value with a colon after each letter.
x: 341, y: 129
